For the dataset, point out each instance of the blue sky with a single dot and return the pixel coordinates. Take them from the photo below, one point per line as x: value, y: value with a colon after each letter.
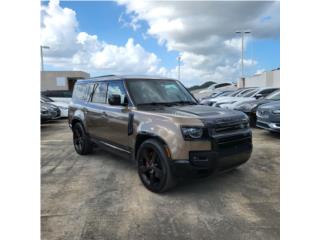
x: 102, y: 19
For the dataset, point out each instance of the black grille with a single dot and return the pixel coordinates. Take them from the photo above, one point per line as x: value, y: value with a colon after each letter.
x: 224, y: 128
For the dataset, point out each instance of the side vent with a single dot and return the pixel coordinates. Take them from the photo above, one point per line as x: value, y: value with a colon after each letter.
x: 130, y: 124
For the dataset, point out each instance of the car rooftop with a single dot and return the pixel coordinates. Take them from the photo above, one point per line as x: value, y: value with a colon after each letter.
x: 123, y: 77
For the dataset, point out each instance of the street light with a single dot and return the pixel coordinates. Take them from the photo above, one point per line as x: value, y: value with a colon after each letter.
x: 179, y: 63
x: 242, y: 37
x: 41, y: 52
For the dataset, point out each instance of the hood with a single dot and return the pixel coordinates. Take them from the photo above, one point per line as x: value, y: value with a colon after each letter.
x: 208, y: 115
x: 274, y: 105
x: 60, y: 104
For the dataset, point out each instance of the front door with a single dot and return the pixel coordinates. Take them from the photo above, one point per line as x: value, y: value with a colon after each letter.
x: 118, y: 116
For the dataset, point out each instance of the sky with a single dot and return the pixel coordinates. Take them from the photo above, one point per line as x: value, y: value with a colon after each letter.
x: 146, y: 37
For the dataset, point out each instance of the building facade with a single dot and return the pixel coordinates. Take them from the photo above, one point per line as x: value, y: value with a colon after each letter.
x: 264, y: 79
x: 61, y: 80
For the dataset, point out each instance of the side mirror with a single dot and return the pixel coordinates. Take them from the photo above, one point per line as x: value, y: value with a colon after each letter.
x: 259, y: 96
x: 114, y: 99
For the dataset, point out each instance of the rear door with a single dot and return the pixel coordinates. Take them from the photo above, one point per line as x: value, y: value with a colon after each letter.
x: 96, y: 119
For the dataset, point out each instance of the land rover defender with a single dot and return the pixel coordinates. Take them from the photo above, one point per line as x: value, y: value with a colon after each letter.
x: 158, y: 124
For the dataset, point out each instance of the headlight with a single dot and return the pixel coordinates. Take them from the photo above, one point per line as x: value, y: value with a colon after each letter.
x: 190, y: 133
x: 276, y: 111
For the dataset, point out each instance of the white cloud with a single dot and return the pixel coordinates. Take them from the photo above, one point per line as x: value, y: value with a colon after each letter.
x: 204, y: 32
x: 71, y: 49
x: 259, y: 71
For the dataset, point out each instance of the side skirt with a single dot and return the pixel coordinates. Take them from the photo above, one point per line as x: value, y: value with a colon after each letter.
x: 114, y: 148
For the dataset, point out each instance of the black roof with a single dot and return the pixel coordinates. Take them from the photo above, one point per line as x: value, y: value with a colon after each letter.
x: 122, y: 77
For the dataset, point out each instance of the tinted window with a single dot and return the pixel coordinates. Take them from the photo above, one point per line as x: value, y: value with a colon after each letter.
x: 274, y: 96
x: 117, y: 88
x: 222, y: 85
x: 100, y: 93
x: 267, y: 91
x: 251, y: 93
x: 58, y: 93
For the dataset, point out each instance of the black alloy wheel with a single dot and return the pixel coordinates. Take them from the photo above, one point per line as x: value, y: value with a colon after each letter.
x: 81, y: 142
x: 153, y: 167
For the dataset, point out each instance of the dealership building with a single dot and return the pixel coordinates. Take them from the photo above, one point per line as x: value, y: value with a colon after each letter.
x: 61, y: 80
x: 264, y: 79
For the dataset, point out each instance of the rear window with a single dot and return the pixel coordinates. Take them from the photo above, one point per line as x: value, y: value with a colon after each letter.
x: 58, y: 93
x: 82, y: 91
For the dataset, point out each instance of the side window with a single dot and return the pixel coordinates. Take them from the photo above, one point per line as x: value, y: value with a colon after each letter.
x: 117, y: 88
x: 100, y: 93
x: 80, y: 92
x: 267, y: 92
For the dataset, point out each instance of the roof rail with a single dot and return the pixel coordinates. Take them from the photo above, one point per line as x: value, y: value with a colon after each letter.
x: 110, y: 75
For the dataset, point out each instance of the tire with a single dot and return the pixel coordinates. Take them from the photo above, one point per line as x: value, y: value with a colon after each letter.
x: 153, y: 166
x: 81, y: 142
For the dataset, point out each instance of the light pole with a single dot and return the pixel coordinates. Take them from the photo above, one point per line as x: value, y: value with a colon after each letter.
x: 179, y: 61
x: 242, y: 38
x: 41, y: 52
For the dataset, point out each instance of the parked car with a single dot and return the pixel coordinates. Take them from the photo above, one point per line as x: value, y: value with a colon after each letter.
x: 158, y: 124
x: 216, y: 94
x: 61, y: 105
x: 268, y: 116
x: 250, y: 107
x: 255, y: 94
x: 210, y: 90
x: 49, y: 112
x: 237, y: 93
x: 58, y: 95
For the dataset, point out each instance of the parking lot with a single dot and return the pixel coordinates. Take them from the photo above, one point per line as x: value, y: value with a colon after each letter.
x: 100, y: 196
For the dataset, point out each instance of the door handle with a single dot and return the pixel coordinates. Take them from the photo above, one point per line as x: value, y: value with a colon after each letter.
x: 104, y: 114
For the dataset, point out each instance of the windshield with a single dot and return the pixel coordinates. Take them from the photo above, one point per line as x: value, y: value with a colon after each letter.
x: 274, y: 96
x: 251, y: 93
x: 46, y: 99
x: 160, y: 91
x: 236, y: 92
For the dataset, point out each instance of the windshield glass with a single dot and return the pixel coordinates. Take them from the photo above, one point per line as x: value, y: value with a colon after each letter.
x: 46, y: 99
x: 251, y: 93
x: 274, y: 96
x: 151, y: 91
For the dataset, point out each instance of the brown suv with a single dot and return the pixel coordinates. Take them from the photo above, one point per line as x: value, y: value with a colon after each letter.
x: 158, y: 124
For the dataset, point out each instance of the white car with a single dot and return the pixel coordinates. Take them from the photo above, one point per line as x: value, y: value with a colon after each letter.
x: 252, y: 95
x: 226, y: 99
x: 61, y: 105
x: 58, y: 95
x: 210, y: 90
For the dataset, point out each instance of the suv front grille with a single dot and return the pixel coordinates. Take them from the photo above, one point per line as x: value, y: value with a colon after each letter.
x: 225, y: 128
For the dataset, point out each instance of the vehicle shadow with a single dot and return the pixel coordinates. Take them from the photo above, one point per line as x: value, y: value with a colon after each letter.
x: 185, y: 185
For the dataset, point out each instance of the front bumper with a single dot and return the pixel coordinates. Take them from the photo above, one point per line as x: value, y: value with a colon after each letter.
x: 227, y: 152
x: 270, y: 126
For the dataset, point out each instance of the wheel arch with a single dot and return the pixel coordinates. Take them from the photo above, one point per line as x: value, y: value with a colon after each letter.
x: 143, y: 136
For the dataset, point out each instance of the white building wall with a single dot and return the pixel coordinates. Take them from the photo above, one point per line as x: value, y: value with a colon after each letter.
x: 265, y: 79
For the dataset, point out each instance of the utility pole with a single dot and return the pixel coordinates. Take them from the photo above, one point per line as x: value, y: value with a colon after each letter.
x: 242, y: 54
x: 179, y: 63
x: 41, y: 52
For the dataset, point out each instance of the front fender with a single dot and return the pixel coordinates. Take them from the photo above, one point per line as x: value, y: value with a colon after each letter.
x: 170, y: 133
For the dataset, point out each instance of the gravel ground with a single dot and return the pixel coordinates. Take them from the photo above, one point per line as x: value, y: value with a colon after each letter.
x: 100, y: 196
